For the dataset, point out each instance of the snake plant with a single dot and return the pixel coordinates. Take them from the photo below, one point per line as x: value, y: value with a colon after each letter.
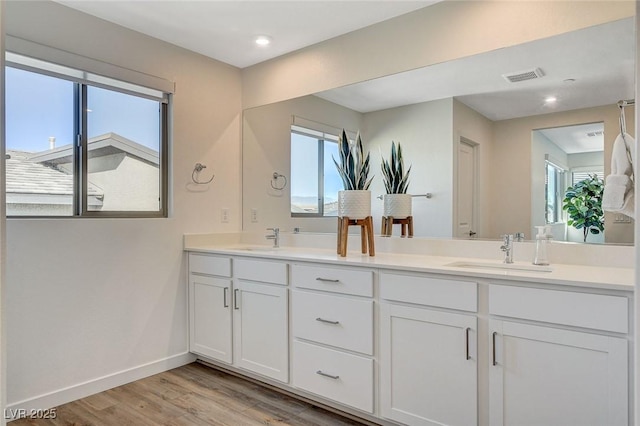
x: 396, y: 180
x: 354, y: 165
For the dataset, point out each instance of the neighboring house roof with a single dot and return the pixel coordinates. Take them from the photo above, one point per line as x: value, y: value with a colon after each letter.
x: 43, y: 177
x: 109, y: 143
x: 25, y: 176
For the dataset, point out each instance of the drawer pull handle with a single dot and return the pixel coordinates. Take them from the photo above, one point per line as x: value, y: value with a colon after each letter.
x: 327, y: 321
x: 331, y: 376
x: 327, y: 280
x: 494, y: 347
x: 224, y: 297
x: 467, y: 342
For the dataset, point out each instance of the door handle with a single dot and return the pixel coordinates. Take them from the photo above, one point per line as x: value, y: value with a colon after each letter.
x: 467, y: 342
x: 495, y: 333
x: 471, y: 233
x: 327, y: 321
x: 235, y: 299
x: 331, y: 376
x: 327, y: 280
x: 224, y: 297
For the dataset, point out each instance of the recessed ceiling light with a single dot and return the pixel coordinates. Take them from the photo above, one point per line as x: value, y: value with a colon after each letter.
x: 550, y: 100
x: 263, y: 40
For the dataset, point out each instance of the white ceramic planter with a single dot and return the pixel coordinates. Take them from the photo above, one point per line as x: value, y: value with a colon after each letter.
x: 397, y: 206
x: 354, y: 204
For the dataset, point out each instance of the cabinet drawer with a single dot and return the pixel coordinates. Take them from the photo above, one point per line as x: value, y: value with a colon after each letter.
x: 210, y: 265
x: 453, y: 294
x: 334, y: 320
x: 347, y: 379
x: 596, y: 311
x: 260, y: 270
x: 358, y: 282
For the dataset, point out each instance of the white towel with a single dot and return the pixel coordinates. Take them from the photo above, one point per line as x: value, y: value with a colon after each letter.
x: 618, y: 189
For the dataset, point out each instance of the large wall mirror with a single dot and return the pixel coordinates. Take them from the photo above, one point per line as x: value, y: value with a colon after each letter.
x: 498, y: 106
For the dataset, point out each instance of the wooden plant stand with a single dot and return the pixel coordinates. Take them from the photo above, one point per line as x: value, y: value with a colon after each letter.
x: 405, y: 224
x: 366, y: 234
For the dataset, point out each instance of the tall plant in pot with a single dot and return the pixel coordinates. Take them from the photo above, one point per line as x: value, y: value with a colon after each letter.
x: 353, y: 166
x: 397, y: 203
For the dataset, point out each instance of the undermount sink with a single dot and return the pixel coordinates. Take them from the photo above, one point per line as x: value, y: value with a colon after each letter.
x: 500, y: 266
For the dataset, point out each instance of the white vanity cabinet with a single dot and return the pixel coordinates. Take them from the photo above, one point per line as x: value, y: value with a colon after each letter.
x: 261, y: 318
x: 332, y: 318
x: 546, y: 371
x: 241, y: 319
x: 209, y: 306
x: 428, y: 357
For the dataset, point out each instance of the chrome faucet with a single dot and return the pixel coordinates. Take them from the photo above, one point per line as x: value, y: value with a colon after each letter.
x: 275, y: 236
x: 507, y: 248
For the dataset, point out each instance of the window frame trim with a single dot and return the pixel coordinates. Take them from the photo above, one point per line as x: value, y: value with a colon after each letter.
x: 320, y: 150
x: 80, y: 158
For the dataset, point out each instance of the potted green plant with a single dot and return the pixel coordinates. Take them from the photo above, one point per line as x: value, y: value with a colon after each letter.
x: 397, y: 203
x: 354, y: 201
x: 583, y: 203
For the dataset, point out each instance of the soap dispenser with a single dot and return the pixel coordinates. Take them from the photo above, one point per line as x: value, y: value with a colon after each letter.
x: 542, y: 241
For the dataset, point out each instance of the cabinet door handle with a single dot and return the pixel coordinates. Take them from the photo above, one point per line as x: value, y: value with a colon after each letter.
x: 224, y: 297
x: 327, y: 321
x: 235, y: 299
x: 467, y: 342
x: 494, y: 347
x: 331, y: 376
x: 327, y: 280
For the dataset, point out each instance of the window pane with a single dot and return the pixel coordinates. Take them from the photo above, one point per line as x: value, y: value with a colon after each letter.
x: 550, y: 195
x: 332, y: 180
x: 39, y: 137
x: 304, y: 174
x: 123, y: 169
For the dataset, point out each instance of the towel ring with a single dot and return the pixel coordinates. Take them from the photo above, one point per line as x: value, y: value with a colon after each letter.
x: 274, y: 180
x: 196, y: 170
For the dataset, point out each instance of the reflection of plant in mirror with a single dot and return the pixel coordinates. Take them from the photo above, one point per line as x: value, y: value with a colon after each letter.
x: 354, y: 165
x: 396, y: 181
x: 583, y: 203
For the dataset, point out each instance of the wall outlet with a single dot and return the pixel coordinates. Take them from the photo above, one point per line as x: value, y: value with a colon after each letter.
x: 254, y: 215
x: 224, y: 215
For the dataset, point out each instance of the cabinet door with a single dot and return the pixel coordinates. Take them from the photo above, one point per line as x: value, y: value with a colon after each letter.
x: 261, y: 334
x: 552, y: 377
x: 210, y: 317
x: 428, y: 366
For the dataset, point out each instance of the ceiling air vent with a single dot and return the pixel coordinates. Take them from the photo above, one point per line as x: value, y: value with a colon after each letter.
x: 596, y: 133
x: 523, y: 75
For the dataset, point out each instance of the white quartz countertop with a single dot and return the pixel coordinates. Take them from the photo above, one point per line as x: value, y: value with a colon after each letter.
x: 609, y: 278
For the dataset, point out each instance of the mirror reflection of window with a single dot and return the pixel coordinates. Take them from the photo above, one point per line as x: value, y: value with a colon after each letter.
x: 570, y: 154
x: 314, y: 179
x: 554, y: 190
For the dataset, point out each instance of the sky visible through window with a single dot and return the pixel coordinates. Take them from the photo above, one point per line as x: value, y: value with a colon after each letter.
x: 39, y: 107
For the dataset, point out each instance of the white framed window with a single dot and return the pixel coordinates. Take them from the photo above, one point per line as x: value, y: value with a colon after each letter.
x: 83, y: 145
x: 554, y: 191
x: 315, y: 182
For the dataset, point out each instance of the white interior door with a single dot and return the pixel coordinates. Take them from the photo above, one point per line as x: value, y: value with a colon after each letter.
x: 466, y: 190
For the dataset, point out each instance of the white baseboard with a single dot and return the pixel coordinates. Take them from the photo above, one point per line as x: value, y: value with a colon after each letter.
x: 82, y: 390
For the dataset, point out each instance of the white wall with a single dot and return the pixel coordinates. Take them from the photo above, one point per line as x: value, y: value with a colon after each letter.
x: 91, y: 299
x: 425, y: 132
x: 267, y: 148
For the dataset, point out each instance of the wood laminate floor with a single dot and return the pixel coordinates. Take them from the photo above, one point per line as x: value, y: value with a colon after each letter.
x: 190, y: 395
